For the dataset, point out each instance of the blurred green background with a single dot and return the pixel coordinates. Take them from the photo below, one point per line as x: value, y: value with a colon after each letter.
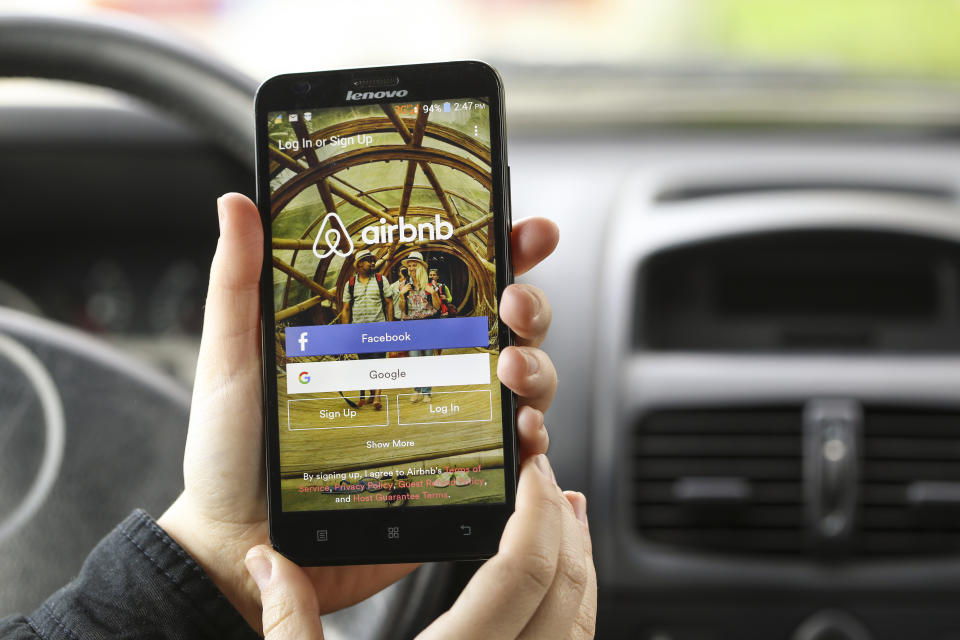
x: 898, y: 37
x: 909, y: 37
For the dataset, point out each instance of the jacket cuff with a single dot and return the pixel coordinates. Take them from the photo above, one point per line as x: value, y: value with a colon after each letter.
x: 139, y: 583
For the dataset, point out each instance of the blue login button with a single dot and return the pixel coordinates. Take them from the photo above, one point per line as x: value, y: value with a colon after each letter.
x: 377, y: 337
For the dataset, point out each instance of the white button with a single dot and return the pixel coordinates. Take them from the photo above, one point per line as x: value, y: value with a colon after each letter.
x: 334, y: 413
x: 445, y: 406
x: 388, y: 373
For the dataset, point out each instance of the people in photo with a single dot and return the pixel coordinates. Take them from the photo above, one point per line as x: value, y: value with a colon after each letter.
x: 446, y: 298
x: 417, y: 299
x: 368, y: 298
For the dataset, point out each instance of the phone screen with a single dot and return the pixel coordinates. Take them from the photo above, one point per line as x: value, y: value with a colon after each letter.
x: 385, y: 305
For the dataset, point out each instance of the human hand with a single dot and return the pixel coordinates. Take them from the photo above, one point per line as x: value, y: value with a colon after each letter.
x: 222, y: 511
x: 541, y: 585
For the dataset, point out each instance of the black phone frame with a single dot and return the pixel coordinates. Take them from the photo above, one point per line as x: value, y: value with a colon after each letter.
x: 426, y: 533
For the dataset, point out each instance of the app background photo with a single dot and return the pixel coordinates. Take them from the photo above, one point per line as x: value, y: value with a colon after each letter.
x: 372, y: 165
x: 380, y: 161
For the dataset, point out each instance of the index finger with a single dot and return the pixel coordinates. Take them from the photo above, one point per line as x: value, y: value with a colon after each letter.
x: 532, y: 240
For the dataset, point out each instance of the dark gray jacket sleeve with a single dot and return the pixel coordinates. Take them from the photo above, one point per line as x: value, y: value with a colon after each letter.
x: 137, y: 583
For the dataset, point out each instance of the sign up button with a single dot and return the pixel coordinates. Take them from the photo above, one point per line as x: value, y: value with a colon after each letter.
x: 334, y: 413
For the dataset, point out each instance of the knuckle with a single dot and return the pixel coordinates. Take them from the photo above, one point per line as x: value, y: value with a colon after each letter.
x: 551, y: 507
x: 534, y: 569
x: 585, y: 624
x: 279, y: 613
x: 573, y: 571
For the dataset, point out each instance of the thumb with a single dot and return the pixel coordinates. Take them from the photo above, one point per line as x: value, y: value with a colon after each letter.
x: 288, y: 597
x: 225, y: 416
x: 231, y: 323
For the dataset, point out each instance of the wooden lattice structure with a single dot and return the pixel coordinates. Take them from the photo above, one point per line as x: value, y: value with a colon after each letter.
x: 472, y: 243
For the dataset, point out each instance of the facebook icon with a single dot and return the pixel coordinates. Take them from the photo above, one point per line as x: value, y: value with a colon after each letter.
x: 303, y: 341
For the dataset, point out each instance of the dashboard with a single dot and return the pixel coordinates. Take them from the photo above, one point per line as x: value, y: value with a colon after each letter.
x: 755, y: 330
x: 771, y: 408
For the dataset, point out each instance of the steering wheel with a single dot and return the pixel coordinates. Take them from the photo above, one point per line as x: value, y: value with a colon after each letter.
x: 121, y: 442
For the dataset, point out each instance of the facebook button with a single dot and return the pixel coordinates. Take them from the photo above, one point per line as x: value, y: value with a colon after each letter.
x: 377, y: 337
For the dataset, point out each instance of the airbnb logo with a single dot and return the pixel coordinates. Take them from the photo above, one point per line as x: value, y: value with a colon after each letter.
x: 407, y: 232
x: 332, y: 231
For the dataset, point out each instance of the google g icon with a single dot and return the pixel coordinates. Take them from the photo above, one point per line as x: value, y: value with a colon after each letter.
x: 304, y: 377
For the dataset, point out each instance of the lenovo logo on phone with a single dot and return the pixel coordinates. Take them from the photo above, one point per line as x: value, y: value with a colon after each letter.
x: 376, y: 95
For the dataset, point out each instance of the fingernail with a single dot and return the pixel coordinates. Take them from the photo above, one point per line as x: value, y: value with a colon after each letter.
x: 538, y: 415
x: 220, y: 211
x: 533, y: 364
x: 580, y: 508
x: 544, y: 465
x: 259, y: 567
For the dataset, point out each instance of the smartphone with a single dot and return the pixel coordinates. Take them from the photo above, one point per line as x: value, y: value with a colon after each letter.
x: 388, y: 435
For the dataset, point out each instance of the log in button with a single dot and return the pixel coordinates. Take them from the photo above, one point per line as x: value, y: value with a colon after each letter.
x: 335, y: 413
x: 445, y: 406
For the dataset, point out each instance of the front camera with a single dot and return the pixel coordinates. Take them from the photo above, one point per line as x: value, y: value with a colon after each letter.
x: 301, y: 88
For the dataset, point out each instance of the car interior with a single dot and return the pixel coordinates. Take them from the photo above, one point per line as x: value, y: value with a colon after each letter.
x: 756, y: 325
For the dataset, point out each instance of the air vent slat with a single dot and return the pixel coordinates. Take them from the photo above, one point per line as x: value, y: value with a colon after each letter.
x: 893, y: 518
x: 897, y: 470
x: 730, y: 423
x: 881, y: 494
x: 914, y: 425
x: 756, y: 450
x: 771, y: 493
x: 904, y: 449
x: 718, y: 446
x: 891, y: 448
x: 732, y: 540
x: 914, y: 543
x: 770, y: 469
x: 718, y: 518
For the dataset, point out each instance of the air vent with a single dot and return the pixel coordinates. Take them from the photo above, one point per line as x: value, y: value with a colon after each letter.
x: 721, y: 481
x: 838, y: 290
x: 730, y: 481
x: 910, y: 497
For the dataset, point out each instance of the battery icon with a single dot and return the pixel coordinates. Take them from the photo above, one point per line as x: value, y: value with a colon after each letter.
x: 446, y: 106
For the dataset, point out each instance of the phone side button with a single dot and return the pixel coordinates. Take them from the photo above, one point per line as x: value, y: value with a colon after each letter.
x: 509, y: 211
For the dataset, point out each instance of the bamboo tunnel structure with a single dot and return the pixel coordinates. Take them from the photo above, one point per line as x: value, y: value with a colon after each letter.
x: 424, y: 147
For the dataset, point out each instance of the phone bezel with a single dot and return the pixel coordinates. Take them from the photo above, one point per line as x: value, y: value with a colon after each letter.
x: 292, y: 533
